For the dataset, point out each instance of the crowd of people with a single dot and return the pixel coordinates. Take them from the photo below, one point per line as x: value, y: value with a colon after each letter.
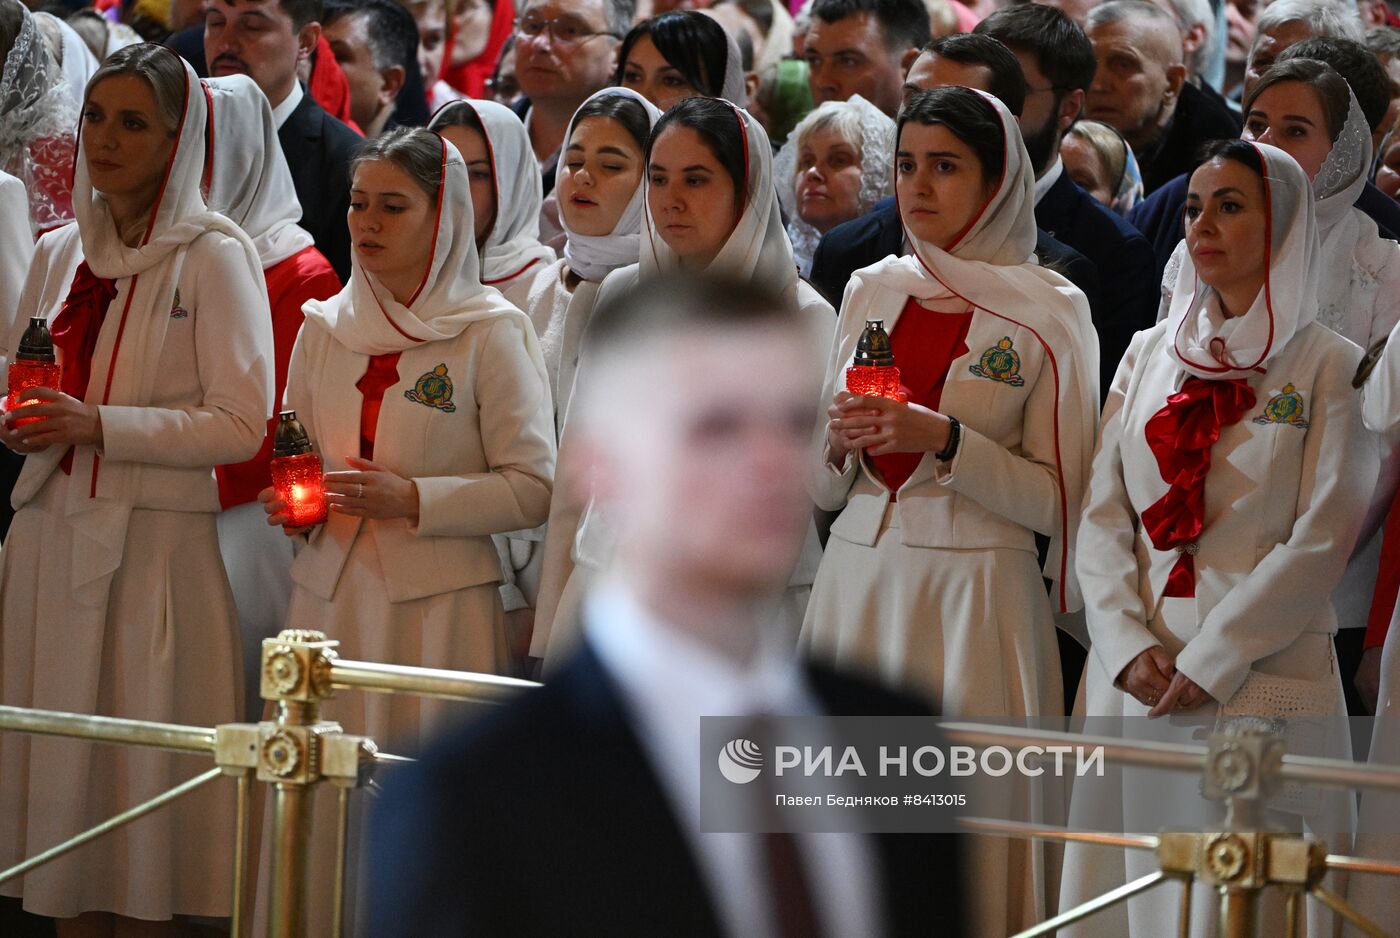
x: 1135, y: 261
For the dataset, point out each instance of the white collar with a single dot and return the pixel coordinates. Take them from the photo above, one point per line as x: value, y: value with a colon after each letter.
x: 282, y: 111
x: 1046, y: 182
x: 674, y: 679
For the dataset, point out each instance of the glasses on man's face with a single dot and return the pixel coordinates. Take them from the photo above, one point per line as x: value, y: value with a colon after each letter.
x: 563, y: 30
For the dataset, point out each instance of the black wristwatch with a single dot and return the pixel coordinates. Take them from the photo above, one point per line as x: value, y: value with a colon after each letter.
x: 954, y: 438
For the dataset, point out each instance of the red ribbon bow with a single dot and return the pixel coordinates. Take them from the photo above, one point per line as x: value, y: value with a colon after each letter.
x: 1180, y: 436
x: 75, y: 331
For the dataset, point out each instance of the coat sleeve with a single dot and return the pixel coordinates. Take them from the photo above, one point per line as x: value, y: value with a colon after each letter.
x: 234, y: 358
x: 1267, y: 611
x: 1107, y: 565
x: 827, y: 485
x: 516, y: 421
x: 16, y: 249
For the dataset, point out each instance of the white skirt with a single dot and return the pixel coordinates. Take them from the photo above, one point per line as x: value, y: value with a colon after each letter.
x: 165, y: 649
x: 1378, y: 836
x: 463, y: 630
x: 1090, y: 870
x: 970, y: 630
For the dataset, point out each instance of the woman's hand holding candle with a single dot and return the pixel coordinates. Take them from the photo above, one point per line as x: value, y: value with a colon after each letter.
x: 70, y: 423
x: 369, y: 490
x: 880, y: 426
x: 279, y: 514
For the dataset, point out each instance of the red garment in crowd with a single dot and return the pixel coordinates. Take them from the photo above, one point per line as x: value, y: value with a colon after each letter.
x: 382, y: 373
x: 329, y: 86
x: 306, y: 275
x: 1180, y: 436
x: 470, y: 78
x: 1387, y: 580
x: 925, y: 343
x: 74, y: 330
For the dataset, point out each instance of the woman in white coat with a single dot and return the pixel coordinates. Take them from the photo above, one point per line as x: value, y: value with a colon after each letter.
x: 930, y: 579
x: 506, y: 192
x: 113, y: 598
x: 250, y: 182
x: 426, y: 396
x: 710, y: 205
x: 1227, y: 493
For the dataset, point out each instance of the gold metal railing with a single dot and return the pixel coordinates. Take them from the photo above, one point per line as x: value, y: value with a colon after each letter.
x: 1241, y: 860
x: 297, y: 750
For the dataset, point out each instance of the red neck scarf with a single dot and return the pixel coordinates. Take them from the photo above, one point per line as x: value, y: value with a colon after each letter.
x: 75, y: 330
x: 470, y: 77
x: 1180, y: 436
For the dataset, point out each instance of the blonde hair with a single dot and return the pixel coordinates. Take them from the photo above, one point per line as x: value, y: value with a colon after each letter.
x: 1107, y: 145
x: 162, y: 69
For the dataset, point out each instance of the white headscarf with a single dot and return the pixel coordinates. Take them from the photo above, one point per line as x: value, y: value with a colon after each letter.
x: 73, y: 55
x: 1344, y: 231
x: 734, y: 90
x: 1207, y: 344
x: 991, y: 266
x: 126, y: 376
x: 513, y: 243
x: 758, y: 250
x: 876, y: 145
x: 593, y: 257
x: 365, y: 317
x: 38, y: 112
x: 249, y: 180
x: 777, y: 45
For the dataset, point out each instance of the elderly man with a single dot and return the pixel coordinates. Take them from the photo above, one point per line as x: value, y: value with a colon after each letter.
x: 564, y: 52
x: 1288, y: 22
x: 863, y: 47
x: 266, y: 40
x: 1140, y: 88
x: 1159, y: 215
x: 576, y: 810
x: 376, y: 44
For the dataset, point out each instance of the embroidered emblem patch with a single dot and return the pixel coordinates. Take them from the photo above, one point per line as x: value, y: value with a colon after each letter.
x: 176, y: 310
x: 1000, y: 363
x: 1284, y: 407
x: 433, y: 389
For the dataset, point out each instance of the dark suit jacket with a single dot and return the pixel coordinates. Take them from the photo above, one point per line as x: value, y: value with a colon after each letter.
x: 319, y: 149
x: 1123, y: 259
x: 1198, y: 119
x: 877, y: 234
x: 1160, y: 218
x: 189, y: 45
x: 546, y: 819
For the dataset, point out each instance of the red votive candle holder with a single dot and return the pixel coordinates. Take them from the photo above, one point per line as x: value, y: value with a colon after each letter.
x: 873, y: 372
x: 296, y: 472
x: 34, y: 367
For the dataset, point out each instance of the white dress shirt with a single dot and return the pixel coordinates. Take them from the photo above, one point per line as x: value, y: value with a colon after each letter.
x: 668, y: 681
x: 1052, y: 176
x: 283, y: 110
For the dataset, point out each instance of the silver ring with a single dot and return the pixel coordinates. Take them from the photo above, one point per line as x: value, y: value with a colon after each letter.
x: 361, y: 492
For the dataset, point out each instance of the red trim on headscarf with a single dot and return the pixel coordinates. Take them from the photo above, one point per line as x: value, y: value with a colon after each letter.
x: 492, y: 283
x: 1180, y: 436
x: 207, y: 179
x: 1268, y: 290
x: 170, y: 164
x: 437, y: 220
x: 744, y: 136
x: 470, y: 78
x: 389, y: 318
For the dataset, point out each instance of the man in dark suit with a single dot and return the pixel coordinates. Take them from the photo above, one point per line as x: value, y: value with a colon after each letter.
x: 576, y: 809
x: 265, y: 40
x: 1057, y: 60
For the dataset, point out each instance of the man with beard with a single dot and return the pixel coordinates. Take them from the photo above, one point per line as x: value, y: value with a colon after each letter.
x: 1058, y: 63
x: 1140, y: 89
x: 265, y: 40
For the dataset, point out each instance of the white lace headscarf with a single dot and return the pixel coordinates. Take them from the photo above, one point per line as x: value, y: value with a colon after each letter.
x: 1342, y: 228
x: 873, y: 139
x: 38, y: 120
